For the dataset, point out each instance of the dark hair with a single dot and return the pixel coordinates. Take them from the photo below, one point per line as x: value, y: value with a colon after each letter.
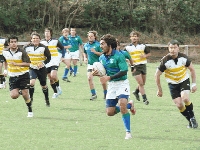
x: 110, y: 40
x: 173, y: 42
x: 12, y: 37
x: 36, y: 34
x: 95, y: 34
x: 50, y: 29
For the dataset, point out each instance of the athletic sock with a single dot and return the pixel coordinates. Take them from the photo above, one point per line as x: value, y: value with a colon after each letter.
x: 57, y: 83
x: 144, y: 97
x: 29, y: 105
x: 126, y: 120
x: 65, y: 72
x: 117, y: 109
x: 189, y: 108
x: 105, y: 92
x: 93, y: 92
x: 54, y: 88
x: 71, y: 69
x: 185, y: 113
x: 46, y: 93
x: 75, y: 69
x: 137, y: 91
x: 31, y: 91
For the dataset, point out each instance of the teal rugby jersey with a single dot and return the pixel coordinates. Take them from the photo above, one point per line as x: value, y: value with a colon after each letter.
x: 126, y: 54
x: 114, y: 63
x: 90, y: 55
x: 74, y: 42
x: 64, y: 41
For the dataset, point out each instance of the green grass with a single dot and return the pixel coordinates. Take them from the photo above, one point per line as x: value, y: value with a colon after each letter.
x: 73, y: 122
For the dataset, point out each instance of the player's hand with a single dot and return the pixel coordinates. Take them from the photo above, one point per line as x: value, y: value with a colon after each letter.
x: 193, y: 87
x: 93, y: 50
x: 5, y: 72
x: 40, y: 65
x: 104, y: 79
x: 95, y: 73
x: 159, y: 93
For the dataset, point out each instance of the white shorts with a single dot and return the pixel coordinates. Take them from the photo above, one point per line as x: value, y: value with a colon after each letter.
x: 89, y: 67
x: 116, y: 88
x: 72, y: 55
x: 55, y: 61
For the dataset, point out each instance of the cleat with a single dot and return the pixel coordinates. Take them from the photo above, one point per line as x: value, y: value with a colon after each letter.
x: 66, y: 79
x: 30, y: 114
x: 59, y: 91
x: 47, y: 103
x: 71, y: 72
x: 55, y: 95
x: 193, y: 122
x: 146, y: 102
x: 137, y: 97
x: 74, y: 75
x: 189, y: 126
x: 132, y: 109
x: 93, y: 97
x: 128, y: 136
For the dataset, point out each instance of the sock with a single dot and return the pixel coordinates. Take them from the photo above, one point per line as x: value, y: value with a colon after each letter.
x: 185, y: 113
x: 31, y: 91
x: 105, y: 92
x: 117, y: 109
x: 93, y: 92
x: 71, y: 69
x: 28, y: 103
x: 126, y: 120
x: 57, y: 83
x: 144, y: 97
x: 189, y: 108
x: 75, y: 69
x: 65, y: 72
x: 46, y: 93
x: 54, y: 87
x: 2, y: 78
x: 137, y: 90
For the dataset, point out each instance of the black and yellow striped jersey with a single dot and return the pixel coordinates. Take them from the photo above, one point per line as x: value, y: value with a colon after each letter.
x: 18, y: 56
x: 175, y: 69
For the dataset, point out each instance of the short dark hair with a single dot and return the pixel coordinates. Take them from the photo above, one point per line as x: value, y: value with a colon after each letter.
x: 12, y: 37
x: 110, y: 40
x: 173, y: 42
x: 50, y: 29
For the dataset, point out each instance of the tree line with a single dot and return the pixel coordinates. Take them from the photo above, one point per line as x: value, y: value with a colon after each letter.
x: 169, y: 17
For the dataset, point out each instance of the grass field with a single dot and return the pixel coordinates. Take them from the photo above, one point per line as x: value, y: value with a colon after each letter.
x: 73, y: 122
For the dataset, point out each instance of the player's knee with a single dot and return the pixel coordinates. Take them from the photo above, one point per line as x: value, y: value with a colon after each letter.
x: 14, y: 95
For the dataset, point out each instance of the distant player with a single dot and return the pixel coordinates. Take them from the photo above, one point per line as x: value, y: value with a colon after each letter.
x: 92, y: 51
x: 75, y: 54
x: 67, y: 60
x: 139, y: 53
x: 175, y: 65
x: 2, y: 77
x: 52, y: 66
x: 17, y: 65
x: 39, y: 56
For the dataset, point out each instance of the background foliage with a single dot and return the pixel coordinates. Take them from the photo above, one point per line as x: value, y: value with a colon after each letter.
x: 163, y: 17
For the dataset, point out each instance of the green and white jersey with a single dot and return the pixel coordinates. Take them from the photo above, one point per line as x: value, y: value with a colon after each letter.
x: 114, y: 63
x: 75, y: 42
x: 92, y: 57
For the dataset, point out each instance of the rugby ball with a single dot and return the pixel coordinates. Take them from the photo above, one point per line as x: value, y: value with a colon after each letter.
x: 100, y: 68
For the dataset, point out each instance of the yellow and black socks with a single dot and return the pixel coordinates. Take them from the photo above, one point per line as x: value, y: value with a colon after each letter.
x: 54, y: 87
x: 31, y: 91
x: 29, y: 105
x: 46, y: 93
x: 189, y: 108
x: 185, y: 113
